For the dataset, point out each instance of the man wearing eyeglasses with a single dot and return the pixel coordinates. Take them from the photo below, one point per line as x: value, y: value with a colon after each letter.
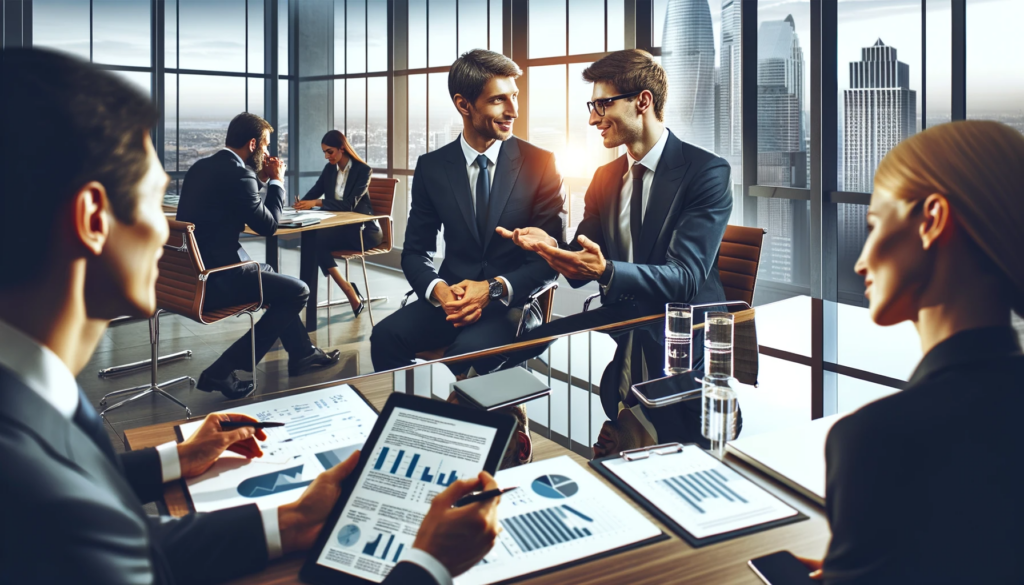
x: 653, y: 222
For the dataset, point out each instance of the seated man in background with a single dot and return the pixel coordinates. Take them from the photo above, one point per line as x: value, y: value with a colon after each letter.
x: 75, y: 507
x: 485, y: 178
x: 220, y: 195
x: 653, y: 222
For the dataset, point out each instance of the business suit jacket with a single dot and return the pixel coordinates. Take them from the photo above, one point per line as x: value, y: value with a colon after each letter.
x: 687, y: 210
x: 74, y: 515
x: 356, y: 195
x: 526, y: 191
x: 221, y: 196
x: 925, y: 485
x: 676, y: 257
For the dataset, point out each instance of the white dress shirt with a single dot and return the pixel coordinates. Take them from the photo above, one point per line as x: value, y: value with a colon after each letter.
x: 271, y: 182
x: 339, y: 185
x: 650, y: 164
x: 473, y: 172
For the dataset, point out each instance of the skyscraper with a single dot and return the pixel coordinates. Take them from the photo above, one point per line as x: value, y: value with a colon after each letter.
x: 781, y: 148
x: 879, y: 111
x: 688, y: 56
x: 728, y: 110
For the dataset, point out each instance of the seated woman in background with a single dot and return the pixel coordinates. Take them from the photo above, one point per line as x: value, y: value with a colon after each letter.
x: 344, y: 185
x: 925, y: 485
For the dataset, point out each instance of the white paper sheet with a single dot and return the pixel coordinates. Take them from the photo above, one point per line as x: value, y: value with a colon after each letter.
x: 559, y: 514
x: 322, y: 429
x: 701, y: 494
x: 417, y: 456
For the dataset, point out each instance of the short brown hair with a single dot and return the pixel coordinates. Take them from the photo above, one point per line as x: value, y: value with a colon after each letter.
x: 632, y: 70
x: 471, y: 71
x: 244, y: 127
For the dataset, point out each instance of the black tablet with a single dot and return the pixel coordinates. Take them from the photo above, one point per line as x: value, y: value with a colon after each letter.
x: 417, y: 449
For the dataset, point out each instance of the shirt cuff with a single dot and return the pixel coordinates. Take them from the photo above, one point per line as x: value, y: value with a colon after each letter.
x: 275, y: 182
x: 430, y: 291
x: 507, y: 299
x: 428, y: 563
x: 170, y: 465
x: 272, y: 532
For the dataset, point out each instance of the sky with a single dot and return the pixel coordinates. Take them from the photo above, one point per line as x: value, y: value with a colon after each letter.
x: 213, y: 36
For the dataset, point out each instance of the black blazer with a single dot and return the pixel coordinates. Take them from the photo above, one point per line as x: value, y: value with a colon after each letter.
x: 526, y: 192
x: 925, y: 485
x: 75, y: 516
x: 356, y: 196
x: 687, y: 211
x: 221, y: 196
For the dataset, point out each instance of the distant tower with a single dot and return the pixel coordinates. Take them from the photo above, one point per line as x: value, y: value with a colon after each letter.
x: 781, y: 150
x: 729, y: 111
x: 688, y: 56
x: 879, y: 111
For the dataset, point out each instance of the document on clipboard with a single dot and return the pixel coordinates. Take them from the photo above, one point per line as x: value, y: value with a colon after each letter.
x: 698, y: 496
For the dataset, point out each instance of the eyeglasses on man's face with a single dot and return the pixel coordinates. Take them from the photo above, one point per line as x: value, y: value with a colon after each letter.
x: 602, y: 104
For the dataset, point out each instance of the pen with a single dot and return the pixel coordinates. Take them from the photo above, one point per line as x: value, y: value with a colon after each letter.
x: 480, y: 497
x: 237, y: 424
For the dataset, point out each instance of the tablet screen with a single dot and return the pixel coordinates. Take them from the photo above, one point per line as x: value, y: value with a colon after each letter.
x: 417, y: 456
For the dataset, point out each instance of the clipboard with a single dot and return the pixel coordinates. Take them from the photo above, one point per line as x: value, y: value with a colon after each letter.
x: 671, y: 449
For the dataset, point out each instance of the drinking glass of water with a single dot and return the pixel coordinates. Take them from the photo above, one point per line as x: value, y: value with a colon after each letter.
x: 719, y: 412
x: 678, y: 350
x: 718, y: 343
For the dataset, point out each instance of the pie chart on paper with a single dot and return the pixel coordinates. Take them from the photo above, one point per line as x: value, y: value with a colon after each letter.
x: 556, y: 487
x: 348, y: 535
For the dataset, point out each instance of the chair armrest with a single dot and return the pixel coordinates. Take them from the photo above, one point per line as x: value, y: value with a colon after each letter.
x: 205, y: 275
x: 586, y: 303
x: 529, y: 301
x: 542, y: 290
x: 406, y: 299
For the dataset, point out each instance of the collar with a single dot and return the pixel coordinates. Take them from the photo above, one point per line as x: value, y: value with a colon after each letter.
x: 38, y: 368
x: 973, y: 345
x: 347, y: 168
x: 650, y: 160
x: 470, y: 153
x: 234, y: 154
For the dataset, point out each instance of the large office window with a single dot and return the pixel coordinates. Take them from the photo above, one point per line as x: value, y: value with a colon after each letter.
x: 995, y: 79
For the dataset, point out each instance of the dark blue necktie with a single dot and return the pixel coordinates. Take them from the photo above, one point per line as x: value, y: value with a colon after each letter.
x: 89, y: 422
x: 483, y: 196
x: 636, y: 206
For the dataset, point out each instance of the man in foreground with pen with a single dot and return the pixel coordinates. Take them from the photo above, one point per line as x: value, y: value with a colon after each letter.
x: 74, y: 508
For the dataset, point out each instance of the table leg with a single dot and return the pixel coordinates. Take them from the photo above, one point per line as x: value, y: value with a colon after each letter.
x: 273, y: 258
x: 309, y: 272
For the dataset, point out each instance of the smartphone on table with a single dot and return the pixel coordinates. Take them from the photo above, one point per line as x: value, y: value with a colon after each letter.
x: 781, y: 568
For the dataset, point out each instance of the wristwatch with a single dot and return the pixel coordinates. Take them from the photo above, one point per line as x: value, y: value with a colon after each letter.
x: 494, y: 289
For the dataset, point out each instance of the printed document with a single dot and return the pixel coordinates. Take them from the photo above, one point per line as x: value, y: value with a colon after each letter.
x: 322, y: 428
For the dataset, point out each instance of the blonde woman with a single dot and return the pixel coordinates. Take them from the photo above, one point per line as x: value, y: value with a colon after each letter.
x: 925, y: 486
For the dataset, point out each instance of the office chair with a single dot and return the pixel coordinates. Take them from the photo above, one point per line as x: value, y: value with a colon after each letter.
x: 181, y: 289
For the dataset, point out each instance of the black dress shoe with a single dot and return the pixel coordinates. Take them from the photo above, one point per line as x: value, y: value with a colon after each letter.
x: 356, y: 310
x: 231, y: 387
x: 359, y: 293
x: 318, y: 358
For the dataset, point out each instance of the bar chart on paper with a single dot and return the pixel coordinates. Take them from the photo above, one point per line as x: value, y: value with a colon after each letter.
x: 560, y: 513
x: 700, y: 493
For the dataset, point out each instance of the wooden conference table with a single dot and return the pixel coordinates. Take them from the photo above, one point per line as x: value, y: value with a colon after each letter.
x: 308, y: 270
x: 668, y: 561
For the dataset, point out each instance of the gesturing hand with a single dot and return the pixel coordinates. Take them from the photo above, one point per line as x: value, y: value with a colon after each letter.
x: 460, y: 537
x: 586, y: 264
x: 202, y: 449
x: 300, y: 522
x: 468, y: 309
x: 528, y: 238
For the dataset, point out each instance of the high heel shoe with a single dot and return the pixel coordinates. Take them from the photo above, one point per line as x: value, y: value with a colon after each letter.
x: 362, y: 300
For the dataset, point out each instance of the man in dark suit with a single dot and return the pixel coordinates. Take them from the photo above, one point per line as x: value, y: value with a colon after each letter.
x: 652, y: 225
x: 220, y: 195
x: 74, y: 512
x: 485, y: 179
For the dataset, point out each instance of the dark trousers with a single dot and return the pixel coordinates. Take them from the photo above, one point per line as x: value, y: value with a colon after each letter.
x: 285, y: 295
x: 420, y: 326
x: 343, y: 237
